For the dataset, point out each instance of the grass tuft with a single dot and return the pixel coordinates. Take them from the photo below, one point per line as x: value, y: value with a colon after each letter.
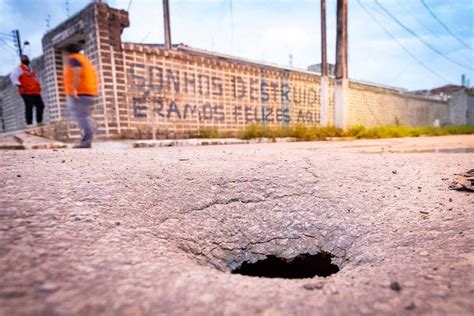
x: 310, y: 133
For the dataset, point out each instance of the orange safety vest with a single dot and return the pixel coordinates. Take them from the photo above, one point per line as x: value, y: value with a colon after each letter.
x: 29, y: 83
x: 87, y: 80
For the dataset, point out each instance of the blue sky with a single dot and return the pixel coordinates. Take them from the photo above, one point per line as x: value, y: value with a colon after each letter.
x: 271, y: 30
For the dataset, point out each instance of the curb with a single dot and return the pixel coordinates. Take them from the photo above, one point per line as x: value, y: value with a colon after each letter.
x: 208, y: 141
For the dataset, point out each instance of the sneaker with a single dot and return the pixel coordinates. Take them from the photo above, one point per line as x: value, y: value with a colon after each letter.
x: 41, y: 124
x: 29, y: 125
x: 82, y: 146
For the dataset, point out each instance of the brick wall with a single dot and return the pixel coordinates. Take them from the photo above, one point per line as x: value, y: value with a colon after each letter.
x: 181, y: 92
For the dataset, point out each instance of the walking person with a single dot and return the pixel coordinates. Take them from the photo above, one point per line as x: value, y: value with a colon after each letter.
x: 80, y: 82
x: 29, y: 88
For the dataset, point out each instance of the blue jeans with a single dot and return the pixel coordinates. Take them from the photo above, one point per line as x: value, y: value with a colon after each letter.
x: 81, y: 110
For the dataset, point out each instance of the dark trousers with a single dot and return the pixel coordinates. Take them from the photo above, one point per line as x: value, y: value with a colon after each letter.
x: 33, y: 100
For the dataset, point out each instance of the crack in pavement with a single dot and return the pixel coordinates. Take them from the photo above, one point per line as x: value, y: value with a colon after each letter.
x: 244, y: 201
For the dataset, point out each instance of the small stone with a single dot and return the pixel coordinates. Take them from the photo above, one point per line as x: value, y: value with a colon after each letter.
x: 410, y: 306
x: 117, y: 223
x: 394, y: 171
x: 313, y: 286
x: 450, y: 199
x: 424, y: 212
x: 49, y: 287
x: 63, y: 161
x: 18, y: 175
x: 424, y: 253
x: 395, y: 286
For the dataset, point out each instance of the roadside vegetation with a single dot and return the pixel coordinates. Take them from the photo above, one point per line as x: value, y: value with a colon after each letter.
x: 310, y: 133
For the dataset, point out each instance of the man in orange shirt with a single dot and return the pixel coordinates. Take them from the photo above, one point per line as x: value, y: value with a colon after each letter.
x: 80, y: 82
x: 29, y: 88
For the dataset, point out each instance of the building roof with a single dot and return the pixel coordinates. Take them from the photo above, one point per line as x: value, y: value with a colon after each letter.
x: 447, y: 89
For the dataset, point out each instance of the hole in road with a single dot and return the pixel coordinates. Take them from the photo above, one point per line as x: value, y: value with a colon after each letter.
x: 299, y: 267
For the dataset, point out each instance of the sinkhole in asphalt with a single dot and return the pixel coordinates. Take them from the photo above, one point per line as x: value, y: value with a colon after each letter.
x: 300, y: 267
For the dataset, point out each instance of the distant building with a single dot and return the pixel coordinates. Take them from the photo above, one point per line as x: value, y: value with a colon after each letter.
x: 318, y: 68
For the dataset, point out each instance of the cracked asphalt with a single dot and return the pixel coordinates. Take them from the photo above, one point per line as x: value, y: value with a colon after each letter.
x: 156, y: 231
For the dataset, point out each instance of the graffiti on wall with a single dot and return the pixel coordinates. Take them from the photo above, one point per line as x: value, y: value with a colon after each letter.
x: 159, y: 92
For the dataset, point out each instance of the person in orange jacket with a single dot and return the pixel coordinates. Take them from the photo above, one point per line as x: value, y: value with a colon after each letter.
x: 29, y: 88
x: 80, y: 83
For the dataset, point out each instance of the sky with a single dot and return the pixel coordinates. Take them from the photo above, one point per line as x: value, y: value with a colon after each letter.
x: 272, y: 30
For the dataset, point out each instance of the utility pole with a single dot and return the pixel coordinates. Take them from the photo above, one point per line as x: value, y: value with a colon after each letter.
x: 324, y: 104
x: 16, y: 39
x: 342, y: 83
x: 166, y: 14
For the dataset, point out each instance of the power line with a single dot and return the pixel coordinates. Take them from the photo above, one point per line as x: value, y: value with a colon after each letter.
x: 231, y: 27
x: 9, y: 51
x: 444, y: 25
x: 146, y: 36
x: 9, y: 45
x: 400, y: 44
x: 129, y: 5
x: 419, y: 38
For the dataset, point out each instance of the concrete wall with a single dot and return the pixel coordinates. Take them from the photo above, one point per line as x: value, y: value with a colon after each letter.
x: 185, y: 91
x: 470, y: 109
x: 371, y: 105
x: 458, y: 103
x: 146, y: 89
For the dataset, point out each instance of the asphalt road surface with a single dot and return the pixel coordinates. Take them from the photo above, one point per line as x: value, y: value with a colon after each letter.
x: 157, y: 231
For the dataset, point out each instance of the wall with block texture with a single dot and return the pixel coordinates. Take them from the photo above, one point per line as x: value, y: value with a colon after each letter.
x: 182, y: 92
x: 372, y: 106
x: 185, y: 90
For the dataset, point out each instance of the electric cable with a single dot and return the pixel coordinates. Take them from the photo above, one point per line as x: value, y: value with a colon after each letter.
x: 400, y: 44
x: 421, y: 39
x: 444, y: 25
x: 231, y: 27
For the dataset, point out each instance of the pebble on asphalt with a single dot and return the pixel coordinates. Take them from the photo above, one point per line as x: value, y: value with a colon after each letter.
x: 395, y: 286
x: 410, y: 306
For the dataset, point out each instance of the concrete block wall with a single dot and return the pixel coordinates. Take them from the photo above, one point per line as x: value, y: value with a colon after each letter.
x: 470, y: 108
x: 371, y: 106
x: 182, y: 92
